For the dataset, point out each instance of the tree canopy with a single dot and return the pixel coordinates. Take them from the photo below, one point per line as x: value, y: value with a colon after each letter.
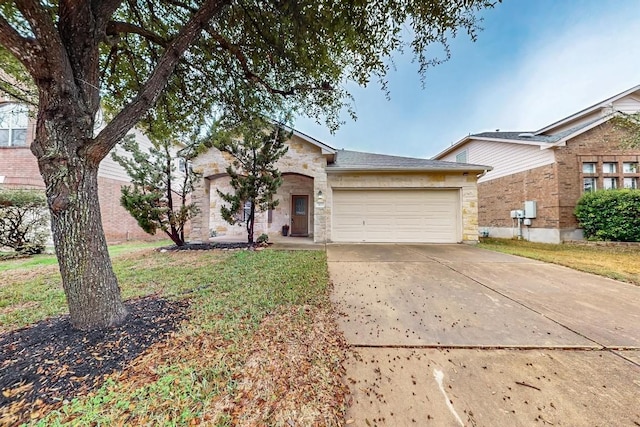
x: 631, y: 124
x: 189, y: 59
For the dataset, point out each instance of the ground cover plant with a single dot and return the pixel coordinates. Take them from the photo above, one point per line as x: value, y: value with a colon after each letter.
x: 220, y: 338
x: 616, y: 262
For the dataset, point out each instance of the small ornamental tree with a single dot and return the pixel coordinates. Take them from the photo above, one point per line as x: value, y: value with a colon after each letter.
x: 610, y: 215
x: 255, y: 149
x: 157, y: 199
x: 23, y: 220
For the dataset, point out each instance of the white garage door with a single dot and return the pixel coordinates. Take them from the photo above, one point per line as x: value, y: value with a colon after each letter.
x: 430, y: 216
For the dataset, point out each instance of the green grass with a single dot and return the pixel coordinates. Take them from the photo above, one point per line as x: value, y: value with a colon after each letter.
x: 50, y: 259
x: 615, y: 262
x: 230, y: 294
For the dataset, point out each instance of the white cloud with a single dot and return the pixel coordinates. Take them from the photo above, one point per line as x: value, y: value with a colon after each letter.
x: 565, y: 70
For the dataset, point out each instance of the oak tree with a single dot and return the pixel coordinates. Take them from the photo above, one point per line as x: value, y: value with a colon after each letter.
x: 236, y: 57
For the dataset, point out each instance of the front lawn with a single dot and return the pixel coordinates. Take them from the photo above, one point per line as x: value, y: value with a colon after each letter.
x: 259, y: 345
x: 616, y: 262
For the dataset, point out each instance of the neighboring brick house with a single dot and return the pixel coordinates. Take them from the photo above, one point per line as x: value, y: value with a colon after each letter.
x: 348, y: 196
x: 551, y: 167
x: 19, y: 169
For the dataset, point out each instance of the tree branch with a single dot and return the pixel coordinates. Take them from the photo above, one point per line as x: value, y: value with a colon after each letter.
x: 251, y: 76
x: 132, y: 112
x: 26, y: 50
x: 117, y: 27
x: 44, y: 30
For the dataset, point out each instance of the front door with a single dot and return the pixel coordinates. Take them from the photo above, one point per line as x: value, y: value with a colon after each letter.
x: 299, y: 215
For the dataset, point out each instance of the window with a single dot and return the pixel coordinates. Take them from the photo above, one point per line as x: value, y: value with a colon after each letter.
x: 13, y: 125
x: 610, y: 183
x: 630, y: 183
x: 609, y: 167
x: 630, y: 167
x: 588, y: 168
x: 182, y: 165
x: 461, y: 157
x: 589, y: 184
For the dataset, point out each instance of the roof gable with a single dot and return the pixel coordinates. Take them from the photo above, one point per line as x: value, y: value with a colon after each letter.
x: 607, y: 103
x: 559, y: 132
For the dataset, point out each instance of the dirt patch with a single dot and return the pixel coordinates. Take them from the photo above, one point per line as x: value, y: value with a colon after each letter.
x: 48, y: 363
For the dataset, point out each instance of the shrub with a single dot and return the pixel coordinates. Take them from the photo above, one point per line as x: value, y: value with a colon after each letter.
x: 263, y: 239
x: 23, y: 220
x: 610, y: 215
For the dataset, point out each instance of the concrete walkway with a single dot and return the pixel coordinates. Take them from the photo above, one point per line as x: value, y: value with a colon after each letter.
x: 455, y: 335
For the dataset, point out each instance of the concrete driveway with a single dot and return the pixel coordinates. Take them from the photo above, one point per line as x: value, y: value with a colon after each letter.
x: 456, y: 335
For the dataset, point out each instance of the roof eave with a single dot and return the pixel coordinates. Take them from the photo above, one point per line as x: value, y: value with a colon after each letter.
x: 563, y: 142
x: 588, y: 110
x: 452, y: 147
x: 474, y: 168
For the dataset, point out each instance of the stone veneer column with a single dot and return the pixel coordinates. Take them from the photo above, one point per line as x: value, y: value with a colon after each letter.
x: 319, y: 215
x: 200, y: 223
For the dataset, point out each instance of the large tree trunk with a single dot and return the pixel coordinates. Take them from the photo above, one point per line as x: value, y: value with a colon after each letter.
x: 92, y: 290
x: 71, y: 179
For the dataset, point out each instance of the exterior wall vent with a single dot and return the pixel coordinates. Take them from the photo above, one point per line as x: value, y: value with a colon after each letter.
x: 526, y: 135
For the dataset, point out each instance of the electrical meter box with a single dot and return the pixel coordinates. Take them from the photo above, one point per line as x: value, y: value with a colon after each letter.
x: 530, y: 208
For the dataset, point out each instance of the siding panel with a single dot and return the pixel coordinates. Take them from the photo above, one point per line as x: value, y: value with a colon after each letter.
x: 505, y: 158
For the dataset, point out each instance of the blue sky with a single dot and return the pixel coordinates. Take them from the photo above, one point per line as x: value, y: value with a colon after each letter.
x: 536, y: 62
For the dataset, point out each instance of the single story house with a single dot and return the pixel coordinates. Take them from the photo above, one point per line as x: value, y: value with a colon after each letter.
x: 347, y: 196
x: 540, y: 175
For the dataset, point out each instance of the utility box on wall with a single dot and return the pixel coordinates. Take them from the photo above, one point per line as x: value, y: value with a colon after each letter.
x: 530, y: 208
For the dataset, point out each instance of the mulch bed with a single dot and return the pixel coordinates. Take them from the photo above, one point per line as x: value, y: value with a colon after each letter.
x: 48, y: 362
x: 207, y: 246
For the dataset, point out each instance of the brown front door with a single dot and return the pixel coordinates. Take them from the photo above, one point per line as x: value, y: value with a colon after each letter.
x: 299, y: 215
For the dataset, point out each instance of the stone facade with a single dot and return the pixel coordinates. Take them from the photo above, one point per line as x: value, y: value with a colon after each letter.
x: 556, y: 187
x: 303, y: 170
x: 305, y: 173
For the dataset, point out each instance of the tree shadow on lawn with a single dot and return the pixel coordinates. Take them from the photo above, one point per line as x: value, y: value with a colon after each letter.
x: 49, y: 362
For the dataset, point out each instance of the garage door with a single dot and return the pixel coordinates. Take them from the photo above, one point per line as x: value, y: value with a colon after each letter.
x: 430, y: 216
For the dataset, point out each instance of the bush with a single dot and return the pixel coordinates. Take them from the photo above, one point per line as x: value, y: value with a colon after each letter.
x: 610, y: 215
x: 23, y: 220
x: 263, y: 239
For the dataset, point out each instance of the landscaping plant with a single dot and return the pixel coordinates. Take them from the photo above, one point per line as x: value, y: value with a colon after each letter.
x: 255, y: 147
x: 23, y: 220
x: 610, y: 215
x: 157, y: 198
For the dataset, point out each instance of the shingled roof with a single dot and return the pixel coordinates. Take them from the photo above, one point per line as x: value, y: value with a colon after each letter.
x: 529, y: 136
x: 347, y: 160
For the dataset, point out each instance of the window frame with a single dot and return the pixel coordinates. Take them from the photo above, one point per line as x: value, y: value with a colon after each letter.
x: 592, y: 188
x: 630, y: 167
x: 633, y: 180
x: 613, y: 170
x: 612, y: 180
x: 589, y: 172
x: 17, y: 120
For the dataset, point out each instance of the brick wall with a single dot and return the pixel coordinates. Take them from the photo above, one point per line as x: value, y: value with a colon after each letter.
x: 598, y: 145
x: 118, y: 224
x: 498, y: 197
x: 556, y: 188
x: 19, y: 168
